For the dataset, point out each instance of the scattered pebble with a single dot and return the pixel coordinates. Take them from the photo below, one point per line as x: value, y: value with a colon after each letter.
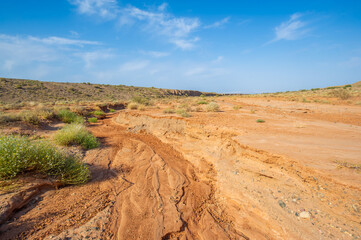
x: 282, y: 204
x: 305, y: 214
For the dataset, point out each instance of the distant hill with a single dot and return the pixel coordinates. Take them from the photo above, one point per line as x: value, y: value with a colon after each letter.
x: 20, y: 90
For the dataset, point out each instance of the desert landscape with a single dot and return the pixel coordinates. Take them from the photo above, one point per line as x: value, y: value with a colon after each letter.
x: 180, y: 120
x: 270, y: 166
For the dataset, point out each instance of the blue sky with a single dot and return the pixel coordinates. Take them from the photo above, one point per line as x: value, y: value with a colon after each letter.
x: 222, y: 46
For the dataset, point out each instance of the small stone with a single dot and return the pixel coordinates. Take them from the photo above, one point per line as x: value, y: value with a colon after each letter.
x: 282, y: 204
x: 305, y: 214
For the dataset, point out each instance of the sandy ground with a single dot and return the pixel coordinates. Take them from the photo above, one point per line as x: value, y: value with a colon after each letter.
x: 215, y: 175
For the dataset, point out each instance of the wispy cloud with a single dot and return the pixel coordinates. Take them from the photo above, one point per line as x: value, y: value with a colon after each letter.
x: 133, y: 66
x: 155, y: 54
x: 106, y: 9
x: 63, y: 41
x: 218, y: 59
x: 177, y: 29
x: 159, y: 21
x: 185, y: 44
x: 91, y: 57
x: 218, y: 23
x: 27, y: 53
x: 292, y: 29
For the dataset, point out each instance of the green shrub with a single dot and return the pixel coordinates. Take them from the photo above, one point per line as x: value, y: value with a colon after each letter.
x: 9, y: 117
x: 202, y: 102
x: 183, y: 113
x: 69, y: 117
x: 99, y: 113
x: 112, y: 110
x: 93, y: 120
x: 260, y: 121
x: 168, y: 111
x: 45, y: 113
x: 77, y: 134
x: 20, y: 154
x: 29, y: 117
x: 212, y: 107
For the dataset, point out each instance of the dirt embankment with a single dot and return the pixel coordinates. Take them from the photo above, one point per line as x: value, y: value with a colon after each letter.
x: 161, y: 177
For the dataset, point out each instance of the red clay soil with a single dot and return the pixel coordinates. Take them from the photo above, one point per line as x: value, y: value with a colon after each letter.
x: 212, y: 176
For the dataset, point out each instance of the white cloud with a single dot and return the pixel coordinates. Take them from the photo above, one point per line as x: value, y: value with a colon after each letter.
x: 133, y: 66
x: 218, y: 23
x: 185, y: 44
x: 218, y: 60
x: 195, y: 71
x: 155, y: 54
x: 63, y: 41
x: 292, y: 29
x: 163, y: 23
x: 106, y: 9
x: 163, y: 6
x: 35, y: 57
x: 90, y: 58
x: 177, y: 30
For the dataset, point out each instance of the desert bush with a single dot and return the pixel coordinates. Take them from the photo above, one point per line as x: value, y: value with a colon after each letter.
x: 29, y: 117
x: 341, y: 94
x: 212, y: 107
x: 77, y: 134
x: 9, y: 117
x: 99, y: 114
x: 20, y: 154
x: 111, y: 110
x: 141, y: 100
x: 132, y: 106
x: 80, y: 110
x: 93, y: 120
x: 198, y: 109
x: 141, y: 107
x: 67, y: 116
x: 183, y: 113
x: 237, y: 107
x: 260, y: 121
x: 168, y: 111
x: 45, y: 113
x: 202, y: 102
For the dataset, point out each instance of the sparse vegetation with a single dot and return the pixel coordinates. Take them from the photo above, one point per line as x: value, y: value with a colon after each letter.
x: 67, y: 116
x: 141, y: 107
x: 77, y: 134
x: 168, y: 111
x: 260, y: 121
x: 342, y: 164
x: 202, y: 102
x: 99, y: 114
x: 237, y: 107
x: 93, y: 120
x: 183, y: 113
x: 29, y: 117
x: 341, y: 93
x: 132, y: 106
x: 20, y: 154
x: 212, y: 107
x: 111, y: 110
